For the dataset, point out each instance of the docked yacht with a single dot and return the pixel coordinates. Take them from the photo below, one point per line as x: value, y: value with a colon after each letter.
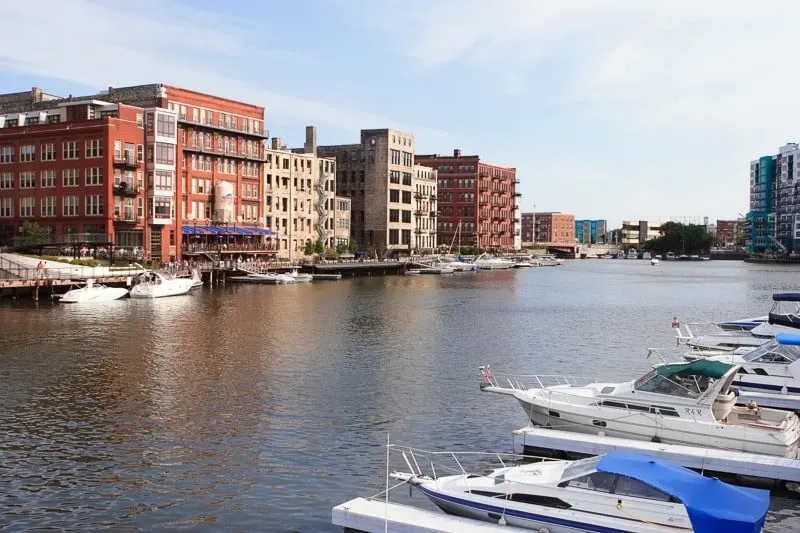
x: 742, y: 324
x: 152, y: 284
x: 92, y: 292
x: 615, y: 492
x: 654, y: 261
x: 678, y: 403
x: 264, y: 278
x: 773, y: 367
x: 488, y: 262
x: 197, y: 280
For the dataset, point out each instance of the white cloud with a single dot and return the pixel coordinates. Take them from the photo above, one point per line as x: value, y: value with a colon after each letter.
x: 98, y: 44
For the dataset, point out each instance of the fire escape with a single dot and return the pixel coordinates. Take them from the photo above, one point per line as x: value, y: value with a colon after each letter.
x: 322, y: 212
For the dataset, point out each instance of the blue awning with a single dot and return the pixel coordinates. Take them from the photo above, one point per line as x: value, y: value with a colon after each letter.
x: 786, y: 297
x: 264, y: 231
x: 241, y: 231
x: 713, y: 506
x: 193, y: 230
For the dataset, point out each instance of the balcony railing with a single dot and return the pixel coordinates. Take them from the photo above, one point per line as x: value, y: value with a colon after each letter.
x: 126, y: 160
x: 262, y: 134
x: 128, y: 219
x: 222, y: 151
x: 124, y: 189
x: 229, y: 247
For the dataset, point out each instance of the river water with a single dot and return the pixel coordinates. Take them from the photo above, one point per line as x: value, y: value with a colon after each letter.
x: 258, y: 408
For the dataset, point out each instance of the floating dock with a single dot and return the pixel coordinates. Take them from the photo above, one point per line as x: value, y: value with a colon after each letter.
x: 790, y: 402
x: 327, y: 277
x: 533, y: 440
x: 374, y: 516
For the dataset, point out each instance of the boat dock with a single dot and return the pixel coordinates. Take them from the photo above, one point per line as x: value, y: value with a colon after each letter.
x: 536, y: 441
x: 375, y: 516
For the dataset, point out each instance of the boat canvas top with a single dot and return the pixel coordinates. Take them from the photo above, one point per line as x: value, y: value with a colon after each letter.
x: 701, y: 368
x: 712, y: 506
x: 786, y: 297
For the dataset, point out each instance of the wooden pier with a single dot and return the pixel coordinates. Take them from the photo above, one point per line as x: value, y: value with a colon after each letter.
x: 375, y: 516
x: 533, y: 440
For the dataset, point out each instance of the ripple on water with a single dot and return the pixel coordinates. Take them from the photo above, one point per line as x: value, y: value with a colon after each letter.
x: 259, y: 408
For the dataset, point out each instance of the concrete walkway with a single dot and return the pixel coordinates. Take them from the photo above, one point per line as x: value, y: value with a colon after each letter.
x: 15, y: 266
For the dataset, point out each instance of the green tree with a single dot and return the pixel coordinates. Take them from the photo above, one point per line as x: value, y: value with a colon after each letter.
x: 342, y: 248
x: 353, y: 246
x: 309, y: 248
x: 32, y: 232
x: 681, y: 239
x: 319, y: 247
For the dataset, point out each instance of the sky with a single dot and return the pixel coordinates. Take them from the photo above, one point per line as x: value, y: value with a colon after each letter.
x: 617, y: 110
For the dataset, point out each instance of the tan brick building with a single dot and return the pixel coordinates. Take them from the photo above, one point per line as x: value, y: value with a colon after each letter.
x: 424, y: 182
x: 377, y: 175
x: 551, y: 228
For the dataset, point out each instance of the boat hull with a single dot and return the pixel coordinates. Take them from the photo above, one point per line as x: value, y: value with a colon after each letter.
x: 107, y: 294
x: 162, y: 291
x: 645, y: 426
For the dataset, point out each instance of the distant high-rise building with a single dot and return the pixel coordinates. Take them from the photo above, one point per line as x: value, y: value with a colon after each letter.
x: 590, y: 231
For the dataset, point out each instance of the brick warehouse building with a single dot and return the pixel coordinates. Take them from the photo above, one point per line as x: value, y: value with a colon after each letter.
x: 477, y: 195
x: 130, y: 166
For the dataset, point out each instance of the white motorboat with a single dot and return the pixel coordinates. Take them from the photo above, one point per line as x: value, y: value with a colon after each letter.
x: 197, y: 279
x: 773, y: 367
x: 612, y: 493
x: 300, y: 277
x: 676, y: 403
x: 550, y: 260
x: 743, y: 324
x: 413, y: 272
x: 92, y: 292
x: 488, y: 262
x: 152, y: 284
x: 525, y: 264
x: 647, y: 255
x: 632, y: 254
x: 264, y: 278
x: 654, y: 261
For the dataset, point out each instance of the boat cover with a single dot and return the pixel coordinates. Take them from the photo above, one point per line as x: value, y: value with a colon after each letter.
x: 713, y: 506
x: 788, y: 339
x: 786, y: 297
x: 698, y: 367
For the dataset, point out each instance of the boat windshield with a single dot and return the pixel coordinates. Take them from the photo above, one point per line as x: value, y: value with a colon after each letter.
x: 581, y: 467
x: 774, y: 353
x: 686, y: 380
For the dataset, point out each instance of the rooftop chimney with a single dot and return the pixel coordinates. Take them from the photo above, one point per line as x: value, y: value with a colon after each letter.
x: 311, y: 140
x: 457, y: 153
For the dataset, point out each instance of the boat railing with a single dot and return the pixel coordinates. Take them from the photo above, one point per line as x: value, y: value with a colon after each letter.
x: 529, y: 381
x: 432, y: 464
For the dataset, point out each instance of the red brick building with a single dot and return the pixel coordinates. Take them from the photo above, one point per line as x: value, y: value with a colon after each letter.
x: 730, y: 232
x: 478, y: 196
x: 139, y: 167
x: 552, y: 228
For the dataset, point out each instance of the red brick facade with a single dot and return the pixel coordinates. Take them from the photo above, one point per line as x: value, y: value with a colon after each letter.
x: 61, y: 174
x: 554, y: 228
x: 477, y: 195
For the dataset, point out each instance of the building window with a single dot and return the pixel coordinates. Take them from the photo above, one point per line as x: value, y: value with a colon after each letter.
x: 47, y: 178
x: 394, y: 176
x: 48, y: 152
x: 406, y: 236
x: 69, y: 177
x: 6, y: 180
x: 407, y: 216
x: 69, y: 205
x: 27, y: 153
x: 117, y: 150
x: 139, y: 119
x: 27, y: 180
x: 406, y: 197
x: 165, y: 154
x: 6, y: 154
x: 394, y: 236
x: 406, y: 178
x: 48, y: 206
x: 395, y: 155
x: 162, y: 208
x: 70, y: 149
x: 6, y: 207
x: 394, y: 215
x: 140, y: 153
x: 94, y: 176
x: 394, y: 195
x: 26, y: 206
x: 165, y: 125
x: 94, y: 205
x: 140, y: 207
x: 408, y: 160
x: 94, y: 149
